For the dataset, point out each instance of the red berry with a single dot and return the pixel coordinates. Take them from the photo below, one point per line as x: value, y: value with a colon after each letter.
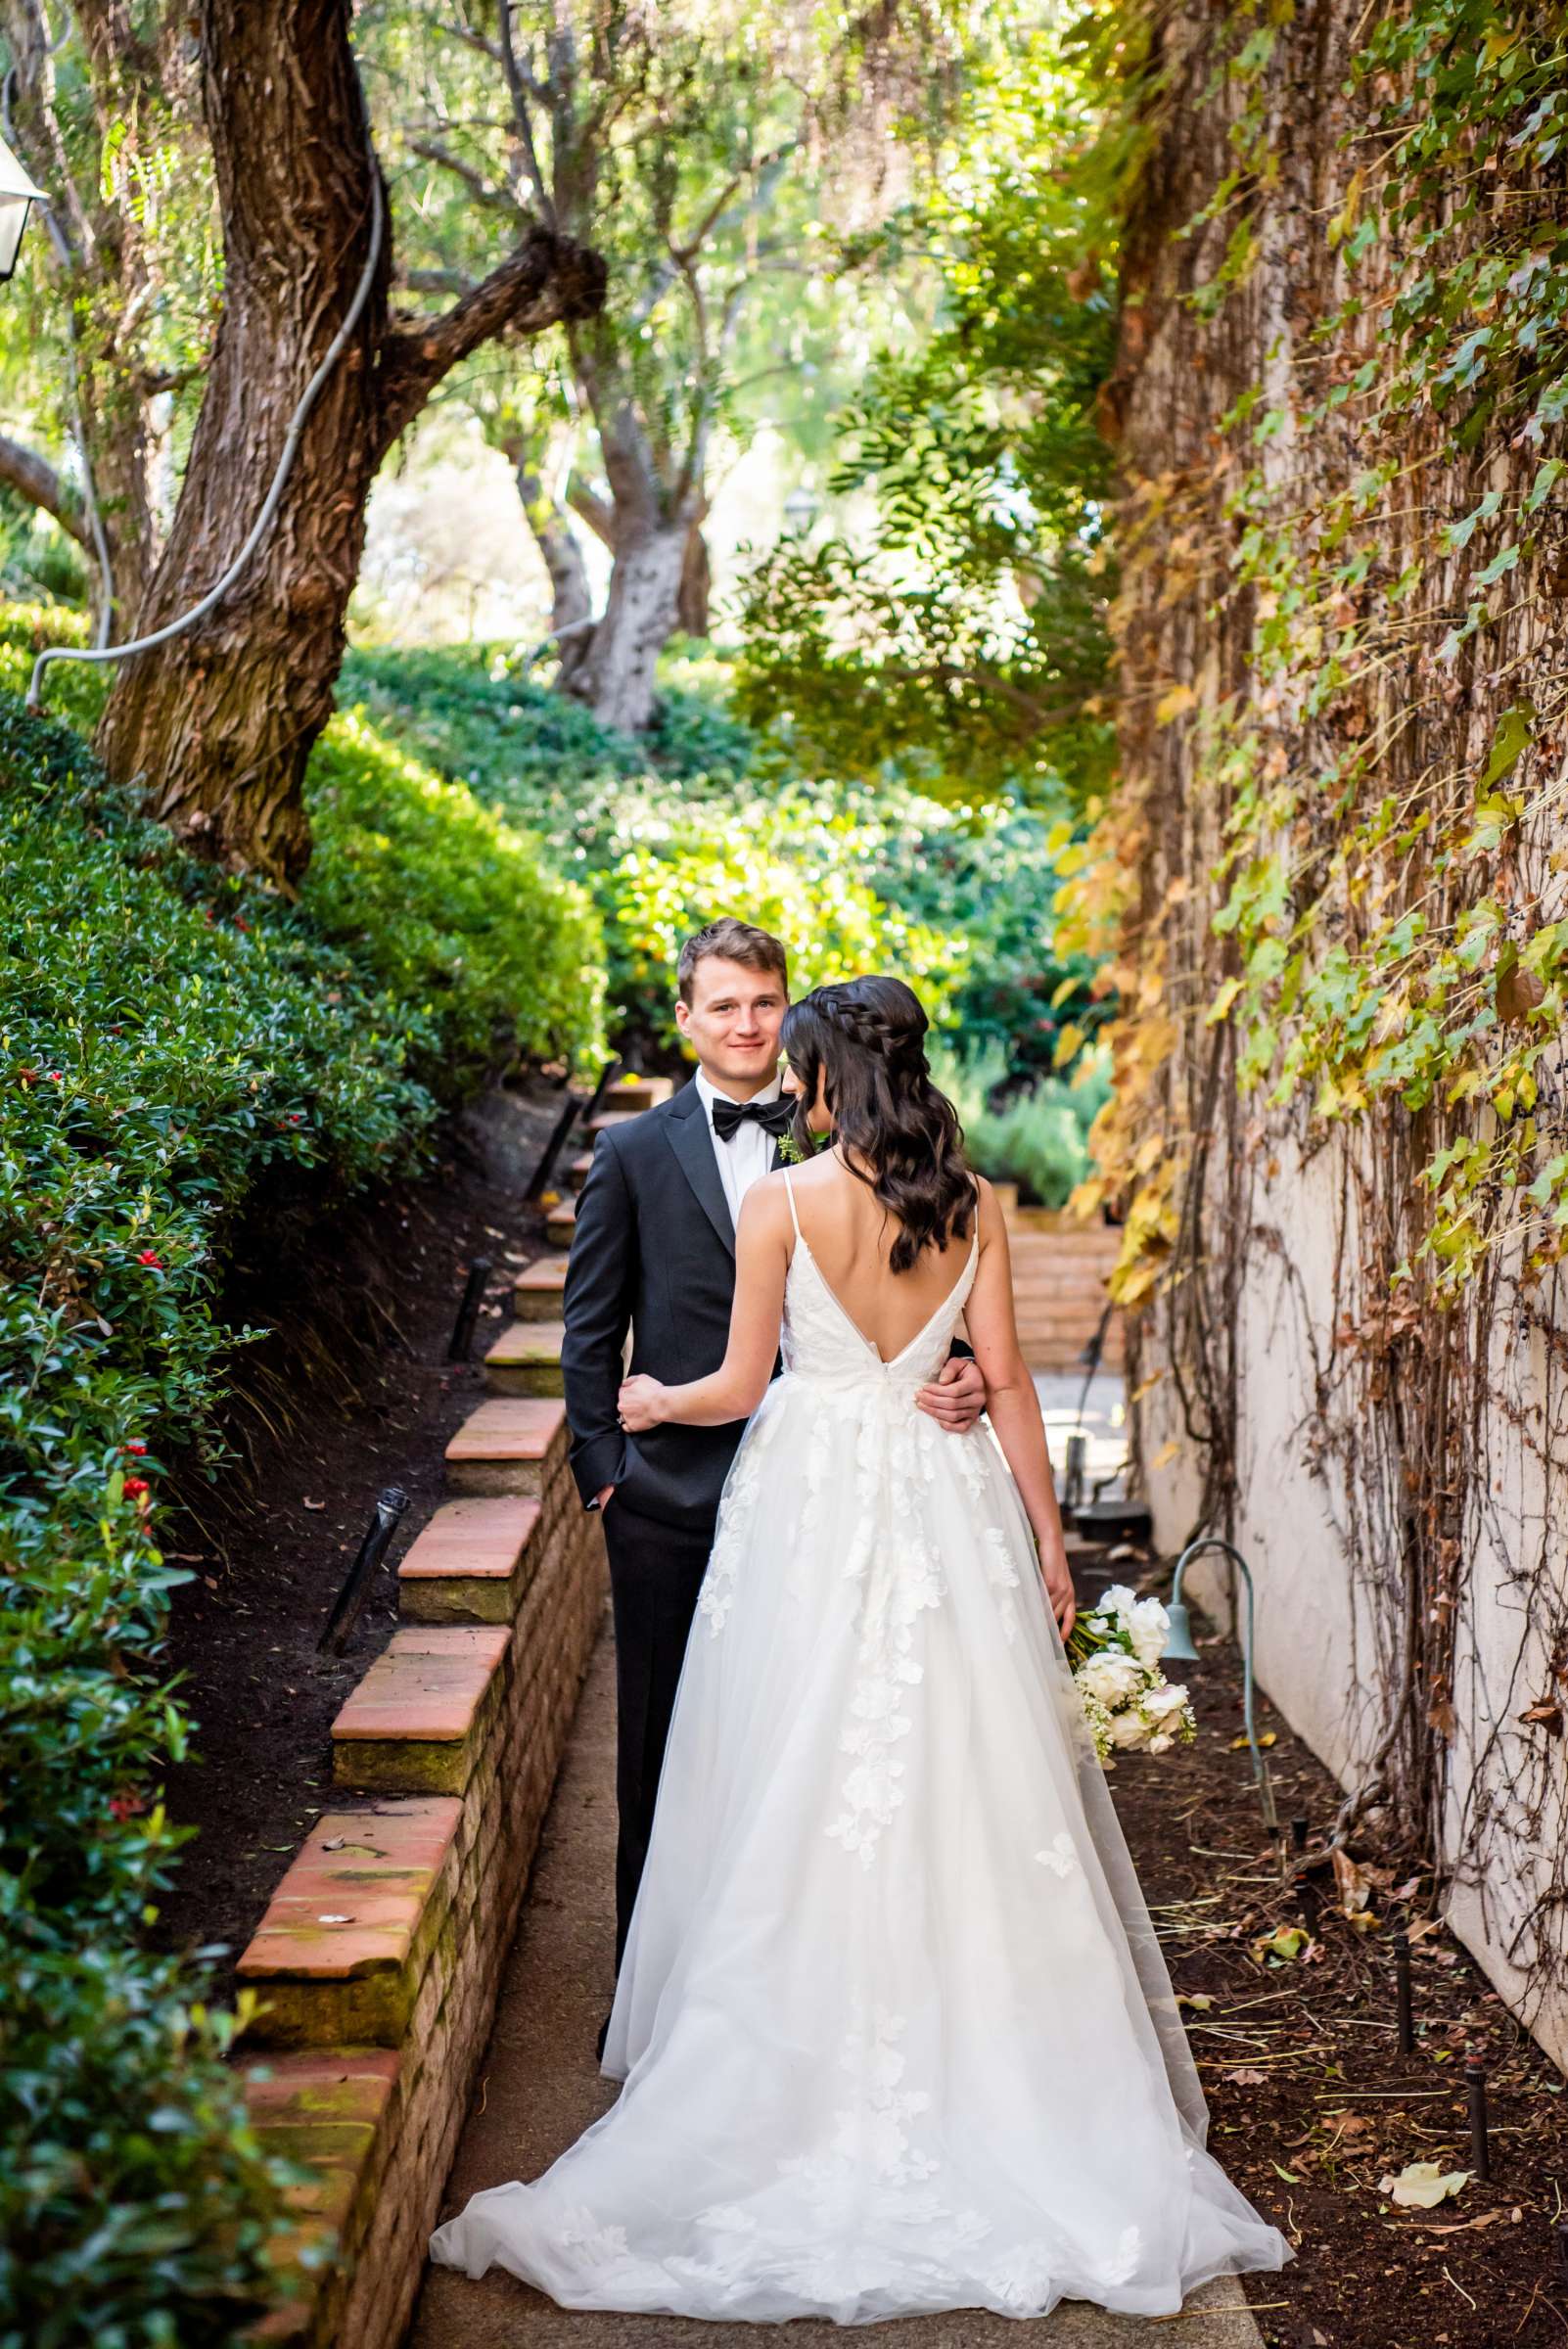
x: 150, y: 1256
x: 136, y: 1485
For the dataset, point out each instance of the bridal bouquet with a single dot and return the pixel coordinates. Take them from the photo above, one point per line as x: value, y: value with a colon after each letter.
x: 1128, y: 1701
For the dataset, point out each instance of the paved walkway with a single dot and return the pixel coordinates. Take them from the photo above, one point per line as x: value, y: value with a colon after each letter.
x: 540, y: 2086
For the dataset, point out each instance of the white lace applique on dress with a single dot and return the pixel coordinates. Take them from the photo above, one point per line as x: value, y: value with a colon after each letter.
x: 895, y: 2026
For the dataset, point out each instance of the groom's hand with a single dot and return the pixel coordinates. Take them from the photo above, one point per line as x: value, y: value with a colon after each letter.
x: 957, y: 1396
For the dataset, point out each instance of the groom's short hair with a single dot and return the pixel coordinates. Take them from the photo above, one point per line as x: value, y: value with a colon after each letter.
x: 736, y: 942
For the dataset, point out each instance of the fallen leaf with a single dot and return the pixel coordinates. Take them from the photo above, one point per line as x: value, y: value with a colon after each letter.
x: 315, y: 1504
x: 1422, y: 2184
x: 1246, y: 2075
x: 1352, y: 1884
x: 1194, y: 1998
x: 332, y: 1918
x: 334, y: 1843
x: 1268, y: 1737
x: 1289, y: 2175
x: 1488, y: 2218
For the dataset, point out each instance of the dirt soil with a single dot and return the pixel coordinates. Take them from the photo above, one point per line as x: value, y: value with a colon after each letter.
x: 351, y: 1391
x: 1312, y: 2103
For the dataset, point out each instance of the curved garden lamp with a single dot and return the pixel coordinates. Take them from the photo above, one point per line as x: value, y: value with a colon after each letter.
x: 18, y: 195
x: 1178, y: 1650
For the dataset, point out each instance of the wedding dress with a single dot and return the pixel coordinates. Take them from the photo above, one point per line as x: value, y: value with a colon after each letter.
x: 895, y: 2027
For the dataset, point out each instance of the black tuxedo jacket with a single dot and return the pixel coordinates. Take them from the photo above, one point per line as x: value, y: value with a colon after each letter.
x: 653, y: 1251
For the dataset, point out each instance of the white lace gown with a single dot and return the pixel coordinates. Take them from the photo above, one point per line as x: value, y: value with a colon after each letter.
x: 895, y: 2031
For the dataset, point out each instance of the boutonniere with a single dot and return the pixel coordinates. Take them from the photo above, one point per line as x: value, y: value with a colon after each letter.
x: 790, y: 1151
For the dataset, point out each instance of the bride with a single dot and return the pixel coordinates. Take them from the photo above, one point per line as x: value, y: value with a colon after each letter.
x: 895, y: 2027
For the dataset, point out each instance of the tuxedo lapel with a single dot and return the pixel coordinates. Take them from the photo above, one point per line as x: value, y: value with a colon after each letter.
x: 689, y: 1137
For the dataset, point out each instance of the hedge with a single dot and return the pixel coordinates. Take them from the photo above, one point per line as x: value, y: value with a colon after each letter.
x: 174, y: 1042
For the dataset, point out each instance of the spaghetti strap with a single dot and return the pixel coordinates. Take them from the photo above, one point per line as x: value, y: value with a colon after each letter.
x: 793, y: 1214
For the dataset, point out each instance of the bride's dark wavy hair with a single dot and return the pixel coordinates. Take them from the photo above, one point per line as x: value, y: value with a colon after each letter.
x: 862, y: 1039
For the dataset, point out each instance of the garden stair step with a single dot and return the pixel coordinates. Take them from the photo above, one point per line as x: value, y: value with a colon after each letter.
x: 526, y: 1359
x: 638, y: 1092
x: 328, y: 2110
x: 417, y: 1721
x: 578, y: 1168
x: 510, y: 1443
x: 339, y: 1955
x: 468, y: 1565
x: 536, y: 1296
x: 607, y: 1121
x: 561, y: 1222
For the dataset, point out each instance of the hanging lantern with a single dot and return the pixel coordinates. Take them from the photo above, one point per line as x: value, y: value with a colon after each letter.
x: 18, y: 195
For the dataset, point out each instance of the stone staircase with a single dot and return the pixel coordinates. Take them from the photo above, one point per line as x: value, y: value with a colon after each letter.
x: 376, y: 1966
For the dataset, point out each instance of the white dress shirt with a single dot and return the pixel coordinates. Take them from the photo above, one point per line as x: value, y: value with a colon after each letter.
x: 749, y: 1152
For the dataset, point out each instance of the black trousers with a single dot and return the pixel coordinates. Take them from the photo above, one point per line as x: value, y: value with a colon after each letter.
x: 656, y: 1572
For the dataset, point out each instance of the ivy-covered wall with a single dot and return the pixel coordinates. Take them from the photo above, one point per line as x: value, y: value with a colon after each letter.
x: 1335, y: 872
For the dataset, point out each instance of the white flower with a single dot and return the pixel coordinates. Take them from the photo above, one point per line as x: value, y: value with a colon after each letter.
x: 1112, y: 1676
x: 1162, y: 1700
x: 1147, y: 1626
x: 1161, y: 1743
x: 1129, y: 1729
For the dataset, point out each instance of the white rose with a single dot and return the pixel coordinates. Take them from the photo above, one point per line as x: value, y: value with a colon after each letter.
x: 1129, y: 1729
x: 1161, y: 1742
x: 1163, y: 1700
x: 1114, y: 1678
x: 1119, y: 1599
x: 1147, y: 1627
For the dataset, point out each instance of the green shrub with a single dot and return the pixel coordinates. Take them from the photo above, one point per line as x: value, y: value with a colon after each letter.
x: 693, y: 820
x: 448, y: 904
x: 168, y: 1040
x: 74, y: 691
x: 1036, y: 1134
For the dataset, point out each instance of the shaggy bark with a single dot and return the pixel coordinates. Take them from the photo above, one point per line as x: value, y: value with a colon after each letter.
x: 216, y: 727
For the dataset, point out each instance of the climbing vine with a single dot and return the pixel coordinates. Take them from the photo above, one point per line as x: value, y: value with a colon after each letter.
x: 1330, y: 877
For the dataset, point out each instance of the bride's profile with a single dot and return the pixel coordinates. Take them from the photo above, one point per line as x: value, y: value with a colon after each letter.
x: 895, y: 2028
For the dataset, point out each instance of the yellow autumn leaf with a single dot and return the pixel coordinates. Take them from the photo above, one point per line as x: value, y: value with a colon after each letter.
x: 1173, y: 705
x: 1165, y: 1454
x: 1222, y: 1002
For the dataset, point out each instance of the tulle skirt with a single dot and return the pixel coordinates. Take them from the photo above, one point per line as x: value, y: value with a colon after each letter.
x: 895, y: 2031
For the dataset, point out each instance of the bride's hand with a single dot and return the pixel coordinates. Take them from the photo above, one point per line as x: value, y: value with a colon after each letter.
x: 639, y: 1404
x: 1058, y: 1580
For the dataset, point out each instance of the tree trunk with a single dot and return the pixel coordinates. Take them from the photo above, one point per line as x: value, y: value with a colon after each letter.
x: 570, y: 606
x: 616, y: 677
x: 696, y: 584
x: 216, y: 727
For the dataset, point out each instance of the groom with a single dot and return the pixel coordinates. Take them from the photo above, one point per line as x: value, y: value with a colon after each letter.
x: 654, y: 1250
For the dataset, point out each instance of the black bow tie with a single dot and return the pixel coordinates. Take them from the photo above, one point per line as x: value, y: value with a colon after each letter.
x: 775, y: 1117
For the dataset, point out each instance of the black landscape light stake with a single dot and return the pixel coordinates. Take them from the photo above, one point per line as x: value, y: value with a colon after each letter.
x: 1073, y: 1484
x: 1475, y: 2089
x: 553, y: 1147
x: 1298, y: 1834
x: 1402, y: 1990
x: 479, y: 1272
x: 350, y: 1600
x: 1559, y: 2250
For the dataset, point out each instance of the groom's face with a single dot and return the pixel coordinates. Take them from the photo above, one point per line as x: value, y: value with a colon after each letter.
x: 732, y: 1022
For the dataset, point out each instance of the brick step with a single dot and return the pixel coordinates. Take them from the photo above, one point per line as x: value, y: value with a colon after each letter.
x: 526, y: 1359
x: 339, y: 1955
x: 329, y: 2110
x: 536, y: 1296
x: 605, y: 1121
x: 638, y: 1092
x: 561, y: 1222
x: 578, y: 1168
x: 417, y: 1721
x: 468, y: 1565
x: 510, y: 1443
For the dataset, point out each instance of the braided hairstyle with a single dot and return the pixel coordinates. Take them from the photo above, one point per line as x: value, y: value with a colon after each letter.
x: 862, y: 1040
